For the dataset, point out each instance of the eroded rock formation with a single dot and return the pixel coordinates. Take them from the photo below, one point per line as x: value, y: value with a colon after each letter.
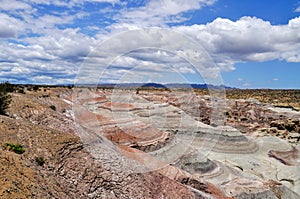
x: 119, y: 144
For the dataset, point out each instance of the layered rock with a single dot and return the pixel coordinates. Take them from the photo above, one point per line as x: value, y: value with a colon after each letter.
x: 187, y: 134
x: 119, y: 144
x: 291, y: 157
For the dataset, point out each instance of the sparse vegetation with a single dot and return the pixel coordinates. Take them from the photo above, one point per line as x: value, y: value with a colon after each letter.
x: 35, y: 88
x: 40, y: 161
x: 21, y: 91
x: 5, y: 98
x: 279, y: 98
x: 53, y: 107
x: 17, y: 148
x: 8, y: 87
x: 46, y: 95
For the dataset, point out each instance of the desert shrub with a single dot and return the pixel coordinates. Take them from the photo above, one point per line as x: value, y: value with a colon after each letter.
x: 53, y: 107
x: 8, y: 87
x: 46, y: 95
x: 17, y: 148
x: 21, y: 91
x: 35, y: 87
x: 40, y: 161
x: 5, y: 98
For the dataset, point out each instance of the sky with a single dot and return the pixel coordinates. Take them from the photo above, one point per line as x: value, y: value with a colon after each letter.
x: 243, y: 44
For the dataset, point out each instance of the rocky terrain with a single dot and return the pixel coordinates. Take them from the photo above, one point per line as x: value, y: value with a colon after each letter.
x: 103, y: 143
x: 278, y: 98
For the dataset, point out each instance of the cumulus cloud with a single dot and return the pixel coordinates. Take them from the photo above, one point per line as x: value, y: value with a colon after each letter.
x: 150, y: 51
x: 247, y: 39
x: 153, y: 60
x: 64, y: 44
x: 160, y: 12
x: 52, y: 50
x: 53, y: 54
x: 297, y: 9
x: 9, y: 26
x: 58, y: 56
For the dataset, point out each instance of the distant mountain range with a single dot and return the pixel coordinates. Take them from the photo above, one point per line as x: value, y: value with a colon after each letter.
x: 170, y: 85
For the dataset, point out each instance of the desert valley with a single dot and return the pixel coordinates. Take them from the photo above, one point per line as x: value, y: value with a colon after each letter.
x: 81, y: 142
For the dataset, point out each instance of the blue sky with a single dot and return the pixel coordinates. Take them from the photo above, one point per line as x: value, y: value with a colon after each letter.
x: 251, y: 43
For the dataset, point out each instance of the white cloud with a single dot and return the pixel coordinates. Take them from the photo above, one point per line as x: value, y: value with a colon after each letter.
x: 153, y: 61
x: 228, y: 42
x: 23, y: 18
x: 247, y: 39
x: 185, y: 69
x: 297, y: 9
x: 13, y: 5
x: 49, y: 21
x: 294, y: 23
x: 275, y: 79
x: 57, y: 56
x: 9, y: 26
x: 150, y: 51
x: 42, y: 79
x: 106, y: 1
x: 67, y: 43
x: 70, y: 3
x: 246, y: 84
x: 6, y: 31
x: 160, y: 12
x: 55, y: 52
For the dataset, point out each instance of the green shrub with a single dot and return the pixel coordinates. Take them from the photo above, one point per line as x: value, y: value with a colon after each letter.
x: 5, y: 98
x: 40, y: 161
x: 17, y: 148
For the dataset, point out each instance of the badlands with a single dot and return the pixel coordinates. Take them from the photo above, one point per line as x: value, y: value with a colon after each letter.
x: 150, y: 143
